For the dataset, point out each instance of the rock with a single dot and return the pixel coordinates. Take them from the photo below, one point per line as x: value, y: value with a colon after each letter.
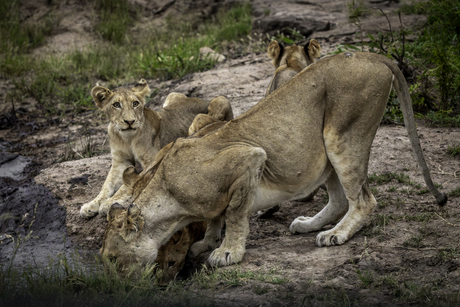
x: 285, y: 25
x: 206, y: 52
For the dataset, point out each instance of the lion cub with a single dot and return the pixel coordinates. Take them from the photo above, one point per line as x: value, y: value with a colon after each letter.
x: 137, y: 133
x: 289, y: 61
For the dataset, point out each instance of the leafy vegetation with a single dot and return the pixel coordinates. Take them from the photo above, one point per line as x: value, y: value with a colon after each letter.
x: 61, y: 84
x: 430, y: 62
x: 114, y: 19
x: 453, y: 149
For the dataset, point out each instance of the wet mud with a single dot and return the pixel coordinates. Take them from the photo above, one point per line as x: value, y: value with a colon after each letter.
x: 32, y: 222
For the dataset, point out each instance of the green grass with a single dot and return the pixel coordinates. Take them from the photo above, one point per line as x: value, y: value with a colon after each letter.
x: 442, y: 119
x: 389, y: 177
x: 377, y: 224
x: 424, y: 217
x: 234, y: 276
x: 455, y: 192
x: 453, y: 149
x: 61, y: 84
x: 449, y: 253
x: 65, y: 281
x: 366, y: 277
x: 18, y: 37
x: 415, y: 242
x: 385, y: 178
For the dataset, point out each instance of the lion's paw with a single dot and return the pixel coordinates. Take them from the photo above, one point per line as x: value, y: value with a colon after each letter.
x: 104, y: 208
x: 223, y: 257
x: 89, y: 210
x: 329, y: 238
x: 302, y: 224
x: 200, y: 247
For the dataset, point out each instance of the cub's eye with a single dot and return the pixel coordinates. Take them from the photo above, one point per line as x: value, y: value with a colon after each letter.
x: 117, y: 105
x: 171, y: 263
x: 135, y: 103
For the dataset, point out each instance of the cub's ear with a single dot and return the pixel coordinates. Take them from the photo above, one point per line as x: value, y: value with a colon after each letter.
x: 141, y: 88
x: 101, y: 96
x: 275, y: 51
x: 313, y: 50
x: 130, y: 176
x: 114, y: 210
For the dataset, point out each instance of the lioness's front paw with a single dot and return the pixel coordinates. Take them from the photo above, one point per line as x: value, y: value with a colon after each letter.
x: 89, y: 210
x: 330, y: 237
x: 302, y: 224
x: 223, y: 257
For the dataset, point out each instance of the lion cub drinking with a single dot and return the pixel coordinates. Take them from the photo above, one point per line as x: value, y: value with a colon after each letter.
x: 137, y: 133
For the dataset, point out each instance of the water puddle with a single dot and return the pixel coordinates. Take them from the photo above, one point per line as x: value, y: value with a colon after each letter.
x: 13, y: 166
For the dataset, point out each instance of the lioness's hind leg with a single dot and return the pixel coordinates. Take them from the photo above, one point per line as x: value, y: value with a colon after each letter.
x: 361, y: 205
x: 211, y: 237
x: 334, y: 210
x: 355, y: 109
x: 350, y: 157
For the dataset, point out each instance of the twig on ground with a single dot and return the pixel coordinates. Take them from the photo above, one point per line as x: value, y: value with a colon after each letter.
x: 441, y: 172
x: 78, y: 153
x: 448, y: 223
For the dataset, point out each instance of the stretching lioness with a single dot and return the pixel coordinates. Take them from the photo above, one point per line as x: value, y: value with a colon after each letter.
x: 317, y: 128
x: 137, y: 133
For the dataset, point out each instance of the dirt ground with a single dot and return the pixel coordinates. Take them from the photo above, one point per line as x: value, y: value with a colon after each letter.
x: 409, y: 251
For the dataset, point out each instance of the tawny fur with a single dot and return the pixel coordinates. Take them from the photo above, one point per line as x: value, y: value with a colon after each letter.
x: 316, y: 129
x: 137, y: 133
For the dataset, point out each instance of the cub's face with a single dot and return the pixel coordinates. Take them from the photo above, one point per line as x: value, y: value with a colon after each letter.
x: 124, y: 106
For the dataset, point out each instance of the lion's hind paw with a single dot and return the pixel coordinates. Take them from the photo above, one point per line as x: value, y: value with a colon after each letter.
x: 329, y: 238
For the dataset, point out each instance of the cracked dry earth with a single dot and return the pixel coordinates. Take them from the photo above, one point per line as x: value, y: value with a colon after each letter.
x: 410, y: 246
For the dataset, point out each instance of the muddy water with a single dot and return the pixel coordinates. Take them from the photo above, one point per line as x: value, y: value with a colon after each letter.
x: 31, y: 221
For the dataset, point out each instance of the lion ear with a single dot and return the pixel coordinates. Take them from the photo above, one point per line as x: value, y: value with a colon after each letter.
x: 134, y: 222
x: 141, y: 88
x: 275, y: 52
x: 130, y: 176
x: 101, y: 95
x: 313, y: 50
x: 115, y: 210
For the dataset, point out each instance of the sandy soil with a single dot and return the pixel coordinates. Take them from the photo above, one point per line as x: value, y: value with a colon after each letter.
x: 408, y: 240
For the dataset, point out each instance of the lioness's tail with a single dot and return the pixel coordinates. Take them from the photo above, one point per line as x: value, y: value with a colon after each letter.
x: 402, y: 90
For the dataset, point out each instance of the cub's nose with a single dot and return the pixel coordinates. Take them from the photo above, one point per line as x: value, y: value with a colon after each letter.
x: 129, y: 122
